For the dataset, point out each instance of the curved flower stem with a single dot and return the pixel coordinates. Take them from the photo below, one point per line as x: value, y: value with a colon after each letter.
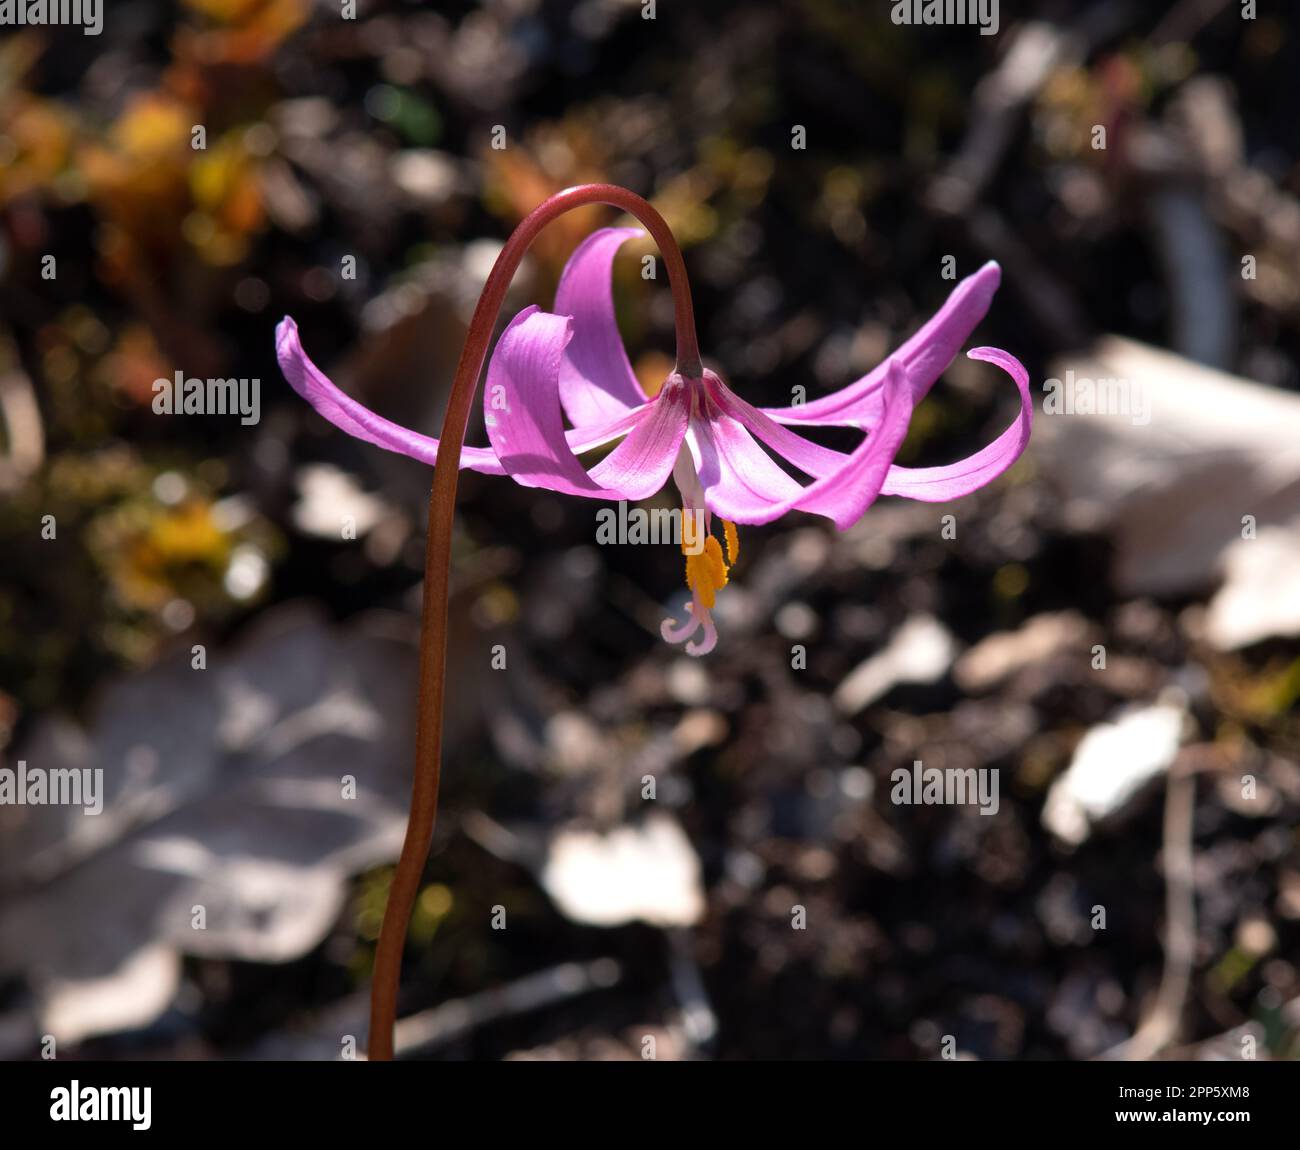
x: 437, y: 563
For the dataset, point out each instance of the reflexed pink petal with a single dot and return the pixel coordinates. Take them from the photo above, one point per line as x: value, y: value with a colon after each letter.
x: 641, y: 464
x: 596, y: 379
x: 521, y: 407
x: 741, y: 481
x: 812, y: 459
x: 925, y: 357
x: 845, y: 494
x: 939, y: 484
x: 841, y: 495
x: 584, y: 438
x: 358, y: 420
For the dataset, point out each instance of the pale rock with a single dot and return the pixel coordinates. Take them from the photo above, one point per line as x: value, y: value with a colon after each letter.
x: 648, y: 873
x: 1112, y: 762
x: 921, y: 651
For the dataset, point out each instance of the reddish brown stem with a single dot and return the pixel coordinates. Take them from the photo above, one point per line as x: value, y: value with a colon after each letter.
x: 437, y: 563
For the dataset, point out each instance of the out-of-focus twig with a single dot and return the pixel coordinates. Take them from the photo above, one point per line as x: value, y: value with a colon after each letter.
x: 699, y: 1023
x: 1045, y: 296
x: 322, y: 1039
x: 1204, y: 312
x: 1037, y: 49
x: 1160, y: 1027
x: 452, y: 1020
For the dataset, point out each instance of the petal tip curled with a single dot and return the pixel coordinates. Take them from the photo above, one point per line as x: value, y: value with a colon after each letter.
x: 354, y: 418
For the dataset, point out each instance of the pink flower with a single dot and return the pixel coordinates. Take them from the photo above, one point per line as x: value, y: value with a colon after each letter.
x: 571, y: 363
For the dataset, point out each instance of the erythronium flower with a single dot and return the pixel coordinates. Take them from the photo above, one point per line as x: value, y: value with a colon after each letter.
x: 571, y: 362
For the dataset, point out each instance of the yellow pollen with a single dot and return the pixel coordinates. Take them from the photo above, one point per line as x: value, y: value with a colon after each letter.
x: 733, y: 542
x: 706, y: 569
x: 706, y: 573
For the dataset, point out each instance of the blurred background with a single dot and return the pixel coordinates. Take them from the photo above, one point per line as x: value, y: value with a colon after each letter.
x: 1112, y: 626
